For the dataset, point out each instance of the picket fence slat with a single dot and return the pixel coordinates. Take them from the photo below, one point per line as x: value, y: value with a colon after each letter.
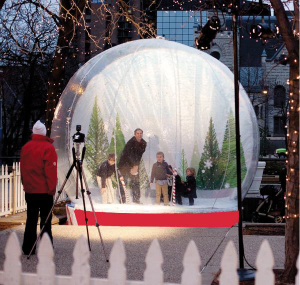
x: 46, y: 266
x: 229, y: 265
x: 153, y: 274
x: 13, y: 198
x: 117, y: 273
x: 12, y: 264
x: 191, y: 266
x: 81, y: 272
x: 20, y: 195
x: 265, y: 263
x: 9, y: 201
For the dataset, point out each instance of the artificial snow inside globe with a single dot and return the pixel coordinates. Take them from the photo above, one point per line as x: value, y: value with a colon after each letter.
x: 182, y: 99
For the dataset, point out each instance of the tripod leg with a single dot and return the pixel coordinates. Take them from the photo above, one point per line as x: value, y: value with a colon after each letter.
x: 50, y: 213
x: 77, y: 184
x: 79, y: 169
x: 97, y: 224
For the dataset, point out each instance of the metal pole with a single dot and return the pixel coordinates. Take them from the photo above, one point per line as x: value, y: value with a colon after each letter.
x: 237, y: 131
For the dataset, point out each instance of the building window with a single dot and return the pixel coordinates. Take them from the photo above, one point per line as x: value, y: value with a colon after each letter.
x: 279, y: 96
x: 278, y: 126
x: 216, y: 54
x: 180, y: 26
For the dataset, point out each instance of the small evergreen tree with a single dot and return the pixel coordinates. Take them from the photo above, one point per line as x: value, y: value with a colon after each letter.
x: 96, y: 143
x: 227, y: 161
x: 117, y: 147
x: 208, y: 174
x: 183, y: 165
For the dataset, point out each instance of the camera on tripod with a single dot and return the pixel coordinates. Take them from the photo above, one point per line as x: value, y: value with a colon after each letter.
x: 78, y: 137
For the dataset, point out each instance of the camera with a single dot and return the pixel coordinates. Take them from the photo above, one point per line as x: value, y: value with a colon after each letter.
x: 78, y: 137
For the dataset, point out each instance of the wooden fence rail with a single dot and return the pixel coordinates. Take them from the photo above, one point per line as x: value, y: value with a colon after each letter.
x: 153, y: 275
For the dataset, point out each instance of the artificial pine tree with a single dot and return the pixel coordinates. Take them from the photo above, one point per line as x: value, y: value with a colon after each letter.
x: 208, y: 174
x: 117, y: 147
x: 183, y: 165
x: 96, y: 143
x: 227, y: 162
x: 120, y: 140
x: 195, y: 157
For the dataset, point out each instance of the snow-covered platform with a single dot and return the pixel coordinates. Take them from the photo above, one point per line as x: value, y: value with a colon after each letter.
x: 207, y: 212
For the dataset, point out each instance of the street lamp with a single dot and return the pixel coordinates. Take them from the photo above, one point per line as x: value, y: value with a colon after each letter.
x: 244, y: 274
x: 265, y: 90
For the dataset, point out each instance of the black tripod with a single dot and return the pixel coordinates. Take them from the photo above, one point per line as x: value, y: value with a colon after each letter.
x: 78, y: 138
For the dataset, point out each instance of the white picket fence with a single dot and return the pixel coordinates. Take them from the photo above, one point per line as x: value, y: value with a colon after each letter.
x: 153, y: 275
x: 12, y: 194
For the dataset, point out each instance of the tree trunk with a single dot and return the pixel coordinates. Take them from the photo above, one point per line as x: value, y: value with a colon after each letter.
x: 27, y: 102
x: 66, y: 32
x: 292, y: 186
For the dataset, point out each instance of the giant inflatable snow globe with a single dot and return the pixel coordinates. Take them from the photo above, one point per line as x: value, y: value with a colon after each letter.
x: 182, y: 99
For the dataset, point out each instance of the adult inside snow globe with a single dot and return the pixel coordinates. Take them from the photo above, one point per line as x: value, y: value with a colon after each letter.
x: 129, y: 165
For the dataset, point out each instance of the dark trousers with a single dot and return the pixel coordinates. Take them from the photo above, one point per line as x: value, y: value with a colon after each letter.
x: 179, y: 196
x: 36, y: 203
x: 170, y: 188
x: 191, y: 200
x: 134, y: 185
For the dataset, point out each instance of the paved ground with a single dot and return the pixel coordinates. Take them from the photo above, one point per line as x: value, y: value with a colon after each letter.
x: 211, y: 243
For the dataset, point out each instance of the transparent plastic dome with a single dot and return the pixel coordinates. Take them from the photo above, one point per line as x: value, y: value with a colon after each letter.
x: 183, y: 100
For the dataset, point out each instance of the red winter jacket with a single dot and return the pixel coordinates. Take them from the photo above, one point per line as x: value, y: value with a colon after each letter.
x: 39, y: 166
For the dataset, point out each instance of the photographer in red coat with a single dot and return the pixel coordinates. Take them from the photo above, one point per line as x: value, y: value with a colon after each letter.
x: 39, y: 178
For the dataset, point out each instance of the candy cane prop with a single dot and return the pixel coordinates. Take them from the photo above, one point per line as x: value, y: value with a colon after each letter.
x: 174, y: 187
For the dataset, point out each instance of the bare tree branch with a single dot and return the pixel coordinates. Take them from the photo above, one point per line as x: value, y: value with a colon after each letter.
x: 291, y: 43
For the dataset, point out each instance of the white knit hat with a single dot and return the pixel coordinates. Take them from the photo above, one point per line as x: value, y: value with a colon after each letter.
x: 39, y: 128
